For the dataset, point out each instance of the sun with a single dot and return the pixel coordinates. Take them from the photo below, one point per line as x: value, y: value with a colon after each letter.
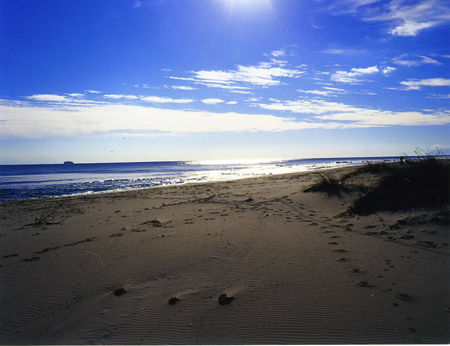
x: 247, y: 5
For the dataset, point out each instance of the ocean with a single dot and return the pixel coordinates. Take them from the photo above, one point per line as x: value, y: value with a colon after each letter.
x: 19, y: 182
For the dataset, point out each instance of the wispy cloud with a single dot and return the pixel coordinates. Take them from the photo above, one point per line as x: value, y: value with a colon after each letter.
x: 440, y: 96
x: 352, y: 75
x: 182, y: 87
x: 278, y: 53
x: 339, y: 51
x: 76, y: 95
x: 34, y: 119
x: 158, y: 99
x: 387, y: 70
x: 231, y: 102
x: 318, y: 92
x: 418, y: 84
x: 264, y: 74
x: 350, y: 116
x: 240, y: 91
x: 93, y: 91
x: 119, y: 96
x: 58, y: 100
x: 27, y: 121
x: 212, y: 101
x: 408, y: 18
x: 48, y: 98
x: 419, y: 60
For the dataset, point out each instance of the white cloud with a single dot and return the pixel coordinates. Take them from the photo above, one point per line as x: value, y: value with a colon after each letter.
x: 278, y: 53
x: 317, y: 92
x: 418, y: 84
x: 93, y: 91
x: 37, y: 122
x: 387, y: 70
x: 231, y: 102
x: 76, y: 95
x: 334, y: 89
x: 240, y: 92
x: 404, y: 61
x: 408, y: 18
x: 349, y: 116
x: 119, y: 96
x: 212, y: 101
x: 440, y: 96
x: 350, y: 76
x: 411, y: 28
x: 158, y: 99
x: 253, y: 99
x: 261, y: 75
x: 182, y: 87
x: 31, y: 119
x: 264, y: 74
x: 48, y: 98
x: 338, y: 51
x: 413, y: 17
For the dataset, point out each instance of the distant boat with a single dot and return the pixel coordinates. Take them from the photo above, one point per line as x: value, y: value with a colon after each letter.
x: 68, y: 162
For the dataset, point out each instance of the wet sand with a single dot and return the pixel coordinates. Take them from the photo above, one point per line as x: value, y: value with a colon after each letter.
x: 103, y: 268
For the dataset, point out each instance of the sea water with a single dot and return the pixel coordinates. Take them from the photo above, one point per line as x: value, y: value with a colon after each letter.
x: 55, y: 180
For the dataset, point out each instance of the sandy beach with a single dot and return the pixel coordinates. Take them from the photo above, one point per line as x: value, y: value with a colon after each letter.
x: 102, y: 268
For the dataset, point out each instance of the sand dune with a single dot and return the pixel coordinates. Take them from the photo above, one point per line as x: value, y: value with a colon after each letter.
x: 297, y: 272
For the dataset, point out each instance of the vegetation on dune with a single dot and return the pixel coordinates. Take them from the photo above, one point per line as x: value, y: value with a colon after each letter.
x: 329, y: 185
x: 413, y: 183
x: 423, y: 182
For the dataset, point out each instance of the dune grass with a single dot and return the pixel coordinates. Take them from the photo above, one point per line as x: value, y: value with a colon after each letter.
x: 420, y: 182
x: 423, y: 182
x: 330, y: 185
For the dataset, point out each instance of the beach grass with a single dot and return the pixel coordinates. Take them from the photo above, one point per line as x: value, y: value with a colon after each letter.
x: 421, y: 182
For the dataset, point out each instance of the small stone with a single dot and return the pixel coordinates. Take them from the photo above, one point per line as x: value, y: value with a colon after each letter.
x: 119, y: 292
x: 224, y: 299
x: 406, y: 297
x: 173, y: 300
x: 364, y: 284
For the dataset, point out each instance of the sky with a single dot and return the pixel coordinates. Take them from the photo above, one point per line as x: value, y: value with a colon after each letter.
x: 161, y: 80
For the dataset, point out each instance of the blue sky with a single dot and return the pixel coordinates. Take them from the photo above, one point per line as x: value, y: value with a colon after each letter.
x: 144, y: 80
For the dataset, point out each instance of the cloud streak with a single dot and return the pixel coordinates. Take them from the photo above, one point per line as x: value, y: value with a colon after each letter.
x: 25, y: 119
x: 158, y: 99
x: 404, y: 61
x: 28, y: 121
x: 264, y: 74
x: 418, y: 84
x: 351, y: 116
x: 352, y: 75
x: 407, y: 18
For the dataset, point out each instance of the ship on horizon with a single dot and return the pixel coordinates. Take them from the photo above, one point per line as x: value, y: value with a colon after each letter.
x: 68, y: 162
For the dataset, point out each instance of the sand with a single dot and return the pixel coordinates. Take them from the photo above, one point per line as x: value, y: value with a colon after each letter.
x: 102, y: 268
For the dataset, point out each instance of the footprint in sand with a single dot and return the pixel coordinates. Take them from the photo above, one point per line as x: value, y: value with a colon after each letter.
x: 11, y: 255
x: 339, y: 250
x: 364, y: 284
x: 31, y: 259
x: 116, y: 235
x: 406, y: 297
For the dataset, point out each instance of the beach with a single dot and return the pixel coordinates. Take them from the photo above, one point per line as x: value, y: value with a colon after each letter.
x: 102, y: 268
